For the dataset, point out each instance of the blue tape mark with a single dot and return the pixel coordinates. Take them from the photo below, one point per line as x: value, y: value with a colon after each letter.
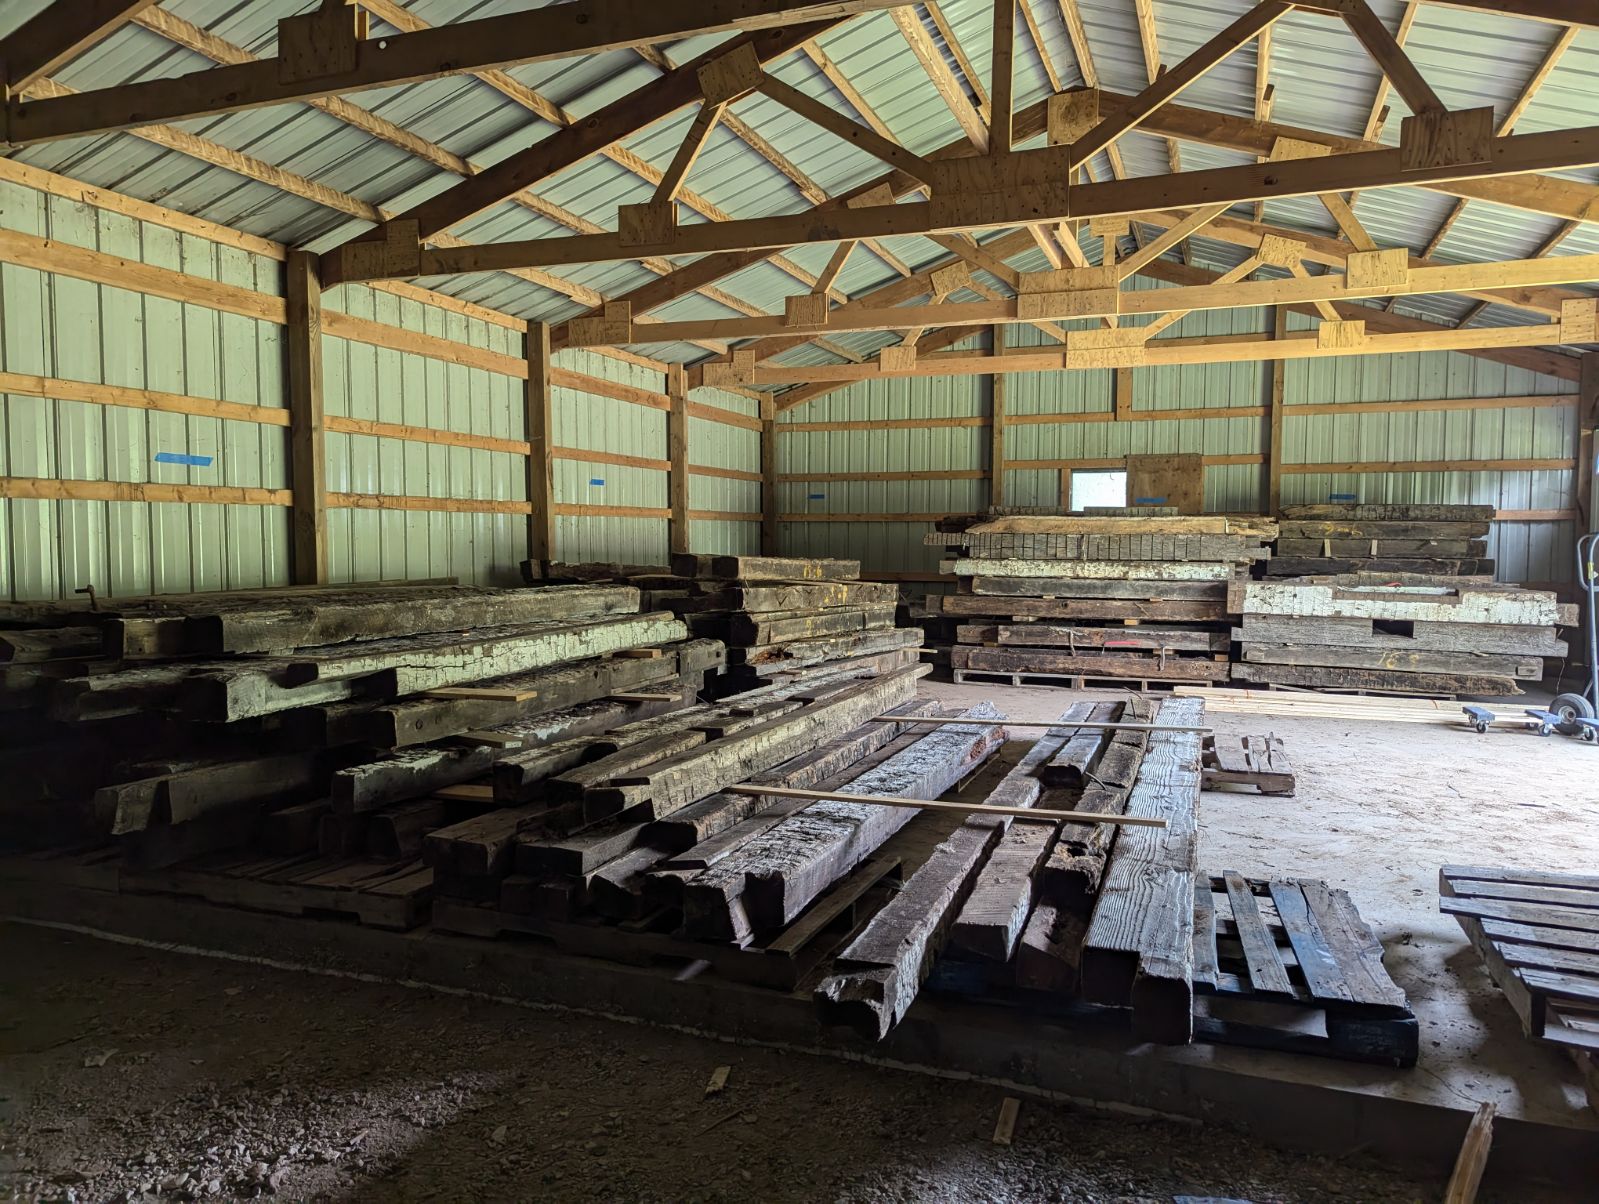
x: 1340, y: 497
x: 1149, y: 501
x: 180, y: 458
x: 816, y: 497
x: 596, y: 480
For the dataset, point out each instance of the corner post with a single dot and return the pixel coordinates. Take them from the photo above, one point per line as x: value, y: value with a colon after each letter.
x: 540, y: 425
x: 677, y: 456
x: 1587, y: 440
x: 308, y: 477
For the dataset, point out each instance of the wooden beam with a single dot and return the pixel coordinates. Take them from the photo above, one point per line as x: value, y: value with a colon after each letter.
x: 1298, y: 345
x: 1007, y: 206
x: 677, y: 454
x: 1170, y: 83
x: 56, y: 35
x: 349, y: 63
x: 996, y: 430
x: 1588, y: 441
x: 1228, y: 291
x: 943, y: 79
x: 571, y: 145
x: 1390, y: 56
x: 1149, y: 42
x: 769, y: 539
x: 539, y: 419
x: 308, y: 476
x: 1550, y: 195
x: 1002, y: 57
x: 1274, y: 419
x: 830, y: 119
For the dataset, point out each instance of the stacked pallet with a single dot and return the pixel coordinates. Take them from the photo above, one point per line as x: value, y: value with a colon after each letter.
x: 295, y: 722
x: 1414, y: 635
x: 1445, y: 540
x: 1072, y: 599
x: 780, y: 615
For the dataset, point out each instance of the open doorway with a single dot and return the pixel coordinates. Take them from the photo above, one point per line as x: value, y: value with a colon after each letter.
x: 1098, y: 487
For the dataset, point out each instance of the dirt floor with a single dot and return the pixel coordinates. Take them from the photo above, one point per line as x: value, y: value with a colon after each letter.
x: 131, y: 1072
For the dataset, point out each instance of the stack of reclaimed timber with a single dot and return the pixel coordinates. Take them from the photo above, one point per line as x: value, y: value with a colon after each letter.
x: 1057, y: 913
x: 1073, y: 599
x: 781, y: 615
x: 1445, y: 540
x: 654, y: 837
x: 306, y: 721
x: 1411, y: 635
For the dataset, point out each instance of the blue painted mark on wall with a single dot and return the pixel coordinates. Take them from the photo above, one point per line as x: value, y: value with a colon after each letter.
x: 596, y: 480
x: 815, y: 497
x: 1340, y: 497
x: 181, y: 458
x: 1149, y: 501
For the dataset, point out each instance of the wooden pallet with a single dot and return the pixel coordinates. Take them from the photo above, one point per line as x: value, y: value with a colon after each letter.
x: 1144, y: 685
x: 393, y: 895
x: 1308, y: 951
x: 1257, y: 761
x: 781, y: 961
x: 1538, y: 935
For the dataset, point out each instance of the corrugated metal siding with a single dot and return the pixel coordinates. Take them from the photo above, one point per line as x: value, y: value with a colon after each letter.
x: 76, y: 330
x: 1525, y: 551
x: 383, y: 385
x: 720, y: 445
x: 593, y: 422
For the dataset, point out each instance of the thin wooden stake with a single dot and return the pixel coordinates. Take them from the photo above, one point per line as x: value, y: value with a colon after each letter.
x: 1473, y: 1157
x: 922, y: 804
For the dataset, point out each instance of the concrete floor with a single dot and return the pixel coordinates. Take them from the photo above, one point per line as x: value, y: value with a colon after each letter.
x: 1380, y: 807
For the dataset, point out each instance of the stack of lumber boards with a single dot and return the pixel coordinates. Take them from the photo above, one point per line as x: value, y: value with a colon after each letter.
x: 778, y: 615
x: 1406, y: 634
x: 1076, y: 597
x: 208, y: 721
x: 1037, y: 909
x: 1447, y: 540
x: 1537, y: 933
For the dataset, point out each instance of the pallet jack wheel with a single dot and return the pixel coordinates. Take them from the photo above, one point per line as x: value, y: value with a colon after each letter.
x: 1570, y: 708
x: 1480, y: 727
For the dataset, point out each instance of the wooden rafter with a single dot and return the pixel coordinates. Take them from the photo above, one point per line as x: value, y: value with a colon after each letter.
x: 1517, y: 154
x: 1149, y: 42
x: 1334, y: 253
x: 1265, y: 95
x: 328, y: 57
x: 1548, y: 245
x: 1300, y: 288
x: 1546, y: 65
x: 943, y: 79
x: 56, y: 35
x: 1390, y: 56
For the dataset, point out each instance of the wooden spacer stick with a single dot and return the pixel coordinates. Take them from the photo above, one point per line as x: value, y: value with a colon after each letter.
x: 889, y: 800
x: 1110, y: 727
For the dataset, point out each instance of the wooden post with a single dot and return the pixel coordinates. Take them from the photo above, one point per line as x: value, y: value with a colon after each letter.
x: 541, y: 445
x: 996, y: 428
x: 1274, y: 419
x: 1587, y: 440
x: 677, y: 455
x: 768, y: 477
x: 1065, y: 490
x: 308, y: 476
x: 1124, y: 394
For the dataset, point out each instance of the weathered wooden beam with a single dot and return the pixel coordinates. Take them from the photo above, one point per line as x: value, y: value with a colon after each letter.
x: 677, y: 455
x: 329, y: 56
x: 307, y: 438
x: 57, y: 34
x: 769, y: 509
